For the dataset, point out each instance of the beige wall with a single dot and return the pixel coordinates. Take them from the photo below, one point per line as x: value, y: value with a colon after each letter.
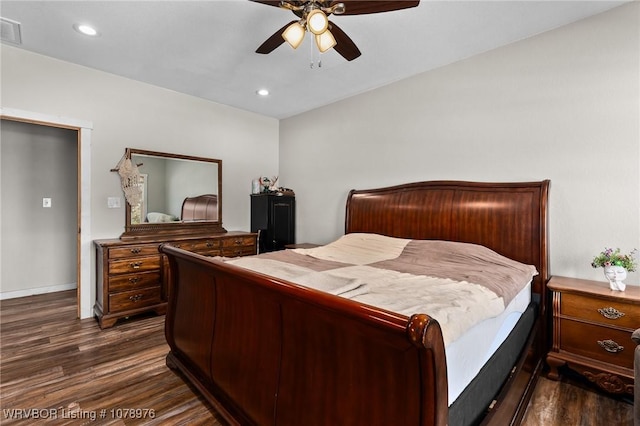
x: 563, y: 106
x: 125, y: 113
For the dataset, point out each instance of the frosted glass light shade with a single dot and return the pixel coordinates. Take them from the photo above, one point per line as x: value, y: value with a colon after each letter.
x: 317, y: 21
x: 294, y: 34
x: 325, y: 41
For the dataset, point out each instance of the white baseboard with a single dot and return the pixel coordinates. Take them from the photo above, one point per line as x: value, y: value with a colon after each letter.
x: 38, y: 290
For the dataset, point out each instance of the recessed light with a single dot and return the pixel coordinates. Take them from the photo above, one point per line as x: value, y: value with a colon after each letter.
x: 86, y: 29
x: 262, y: 92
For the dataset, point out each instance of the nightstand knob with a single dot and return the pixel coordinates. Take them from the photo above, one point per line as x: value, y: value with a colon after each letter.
x: 610, y: 346
x: 610, y: 313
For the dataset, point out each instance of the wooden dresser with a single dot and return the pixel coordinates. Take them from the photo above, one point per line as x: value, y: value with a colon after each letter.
x: 130, y: 274
x: 592, y: 328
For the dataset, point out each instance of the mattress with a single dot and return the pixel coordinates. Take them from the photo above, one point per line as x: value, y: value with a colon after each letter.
x: 467, y: 355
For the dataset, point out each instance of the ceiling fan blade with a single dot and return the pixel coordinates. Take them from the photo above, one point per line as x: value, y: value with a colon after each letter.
x: 274, y: 41
x: 361, y: 7
x: 344, y: 45
x: 275, y: 3
x: 278, y: 3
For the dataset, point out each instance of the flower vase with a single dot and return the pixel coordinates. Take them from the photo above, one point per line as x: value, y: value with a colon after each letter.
x: 615, y: 275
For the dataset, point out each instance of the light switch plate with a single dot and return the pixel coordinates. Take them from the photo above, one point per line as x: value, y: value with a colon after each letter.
x: 113, y: 202
x: 46, y: 202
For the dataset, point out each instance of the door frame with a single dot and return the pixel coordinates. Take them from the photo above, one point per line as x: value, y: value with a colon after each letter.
x: 84, y: 241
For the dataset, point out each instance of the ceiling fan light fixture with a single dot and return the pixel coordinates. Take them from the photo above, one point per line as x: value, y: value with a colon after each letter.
x: 325, y: 41
x: 294, y: 34
x: 317, y: 21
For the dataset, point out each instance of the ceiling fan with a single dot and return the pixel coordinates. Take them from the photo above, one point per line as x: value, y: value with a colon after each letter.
x: 313, y: 16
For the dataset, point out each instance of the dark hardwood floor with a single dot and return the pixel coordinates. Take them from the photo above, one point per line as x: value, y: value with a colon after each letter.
x: 567, y: 403
x: 68, y: 372
x: 49, y: 360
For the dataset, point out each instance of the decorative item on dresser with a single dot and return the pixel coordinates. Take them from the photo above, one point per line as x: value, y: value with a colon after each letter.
x: 592, y: 327
x: 180, y: 204
x: 273, y: 216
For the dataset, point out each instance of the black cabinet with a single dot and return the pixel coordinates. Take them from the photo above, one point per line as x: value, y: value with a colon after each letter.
x: 273, y: 218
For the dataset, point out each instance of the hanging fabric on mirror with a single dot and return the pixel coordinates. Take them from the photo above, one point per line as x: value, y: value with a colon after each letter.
x: 130, y: 180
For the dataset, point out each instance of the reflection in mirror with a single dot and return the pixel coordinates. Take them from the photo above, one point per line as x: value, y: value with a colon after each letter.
x: 139, y: 211
x: 166, y: 183
x: 178, y: 193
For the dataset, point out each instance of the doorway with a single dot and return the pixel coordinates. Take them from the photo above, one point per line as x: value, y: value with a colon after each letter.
x: 82, y: 132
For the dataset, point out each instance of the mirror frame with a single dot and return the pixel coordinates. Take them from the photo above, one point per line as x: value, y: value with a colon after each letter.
x: 169, y: 229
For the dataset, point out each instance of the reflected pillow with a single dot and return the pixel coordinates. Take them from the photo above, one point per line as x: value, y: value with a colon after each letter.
x: 155, y: 217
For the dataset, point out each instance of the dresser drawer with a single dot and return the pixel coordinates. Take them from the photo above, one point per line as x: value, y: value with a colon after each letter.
x: 238, y: 251
x: 137, y: 250
x: 196, y: 245
x: 134, y: 264
x: 204, y: 245
x: 238, y: 241
x: 133, y: 281
x: 582, y: 339
x: 208, y: 247
x: 601, y: 311
x: 134, y: 299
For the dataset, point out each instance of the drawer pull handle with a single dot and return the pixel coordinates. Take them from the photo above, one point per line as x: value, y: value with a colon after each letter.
x: 610, y: 313
x: 610, y: 346
x: 133, y: 280
x: 135, y: 265
x: 209, y: 244
x: 135, y: 250
x: 135, y: 297
x: 238, y: 242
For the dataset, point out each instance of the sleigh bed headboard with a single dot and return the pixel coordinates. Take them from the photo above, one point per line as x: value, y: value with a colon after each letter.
x: 509, y: 218
x: 202, y: 207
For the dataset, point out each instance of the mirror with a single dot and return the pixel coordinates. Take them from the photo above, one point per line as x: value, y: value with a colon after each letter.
x: 179, y: 194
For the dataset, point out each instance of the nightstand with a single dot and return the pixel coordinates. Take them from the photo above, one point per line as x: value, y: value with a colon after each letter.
x: 592, y: 328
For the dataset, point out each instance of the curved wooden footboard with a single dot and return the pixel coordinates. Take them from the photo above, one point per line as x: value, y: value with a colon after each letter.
x: 265, y: 351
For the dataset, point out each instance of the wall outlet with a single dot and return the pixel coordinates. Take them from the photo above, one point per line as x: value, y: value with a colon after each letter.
x: 46, y: 202
x: 113, y: 202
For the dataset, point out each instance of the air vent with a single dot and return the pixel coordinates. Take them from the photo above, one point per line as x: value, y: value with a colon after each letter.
x: 10, y: 31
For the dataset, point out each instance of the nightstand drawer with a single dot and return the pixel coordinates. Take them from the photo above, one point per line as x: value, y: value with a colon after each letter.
x: 134, y: 264
x: 134, y: 281
x: 601, y: 311
x: 587, y: 340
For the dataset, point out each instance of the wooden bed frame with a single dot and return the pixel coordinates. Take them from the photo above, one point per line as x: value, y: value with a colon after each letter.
x: 265, y: 351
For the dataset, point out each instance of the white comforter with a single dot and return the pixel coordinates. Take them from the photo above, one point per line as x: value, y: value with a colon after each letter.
x: 401, y: 276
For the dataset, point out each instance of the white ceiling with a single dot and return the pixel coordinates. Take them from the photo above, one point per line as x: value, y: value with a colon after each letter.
x: 207, y: 48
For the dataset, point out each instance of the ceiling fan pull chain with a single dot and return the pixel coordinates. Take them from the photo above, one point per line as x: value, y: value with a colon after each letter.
x: 316, y: 56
